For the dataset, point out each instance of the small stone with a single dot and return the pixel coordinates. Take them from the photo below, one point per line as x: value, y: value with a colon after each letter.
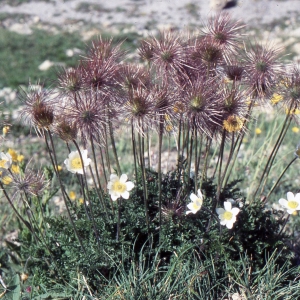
x: 47, y: 64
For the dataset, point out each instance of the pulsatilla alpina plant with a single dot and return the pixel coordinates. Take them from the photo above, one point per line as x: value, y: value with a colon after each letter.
x: 202, y: 90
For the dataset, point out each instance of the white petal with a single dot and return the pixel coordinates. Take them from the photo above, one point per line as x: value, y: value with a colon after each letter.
x: 227, y: 205
x: 192, y: 208
x: 297, y: 197
x: 199, y: 203
x: 193, y: 197
x: 221, y: 217
x: 289, y: 211
x: 125, y: 195
x: 84, y: 153
x: 87, y: 162
x: 229, y: 224
x: 80, y: 171
x: 220, y: 211
x: 129, y: 185
x: 223, y: 222
x: 123, y: 178
x: 113, y: 177
x: 235, y: 211
x: 189, y: 212
x: 283, y: 202
x: 109, y: 185
x: 290, y: 196
x: 114, y: 196
x: 200, y: 194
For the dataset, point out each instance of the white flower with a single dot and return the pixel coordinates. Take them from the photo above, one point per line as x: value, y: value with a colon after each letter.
x: 196, y: 203
x: 5, y: 160
x: 292, y: 203
x: 73, y: 163
x: 118, y: 187
x: 227, y: 215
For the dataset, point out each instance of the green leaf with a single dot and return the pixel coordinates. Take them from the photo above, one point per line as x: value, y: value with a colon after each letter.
x: 14, y: 291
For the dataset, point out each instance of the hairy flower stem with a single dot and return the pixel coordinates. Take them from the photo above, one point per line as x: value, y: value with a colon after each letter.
x: 160, y: 136
x: 198, y: 157
x: 54, y: 162
x: 81, y: 184
x: 99, y: 191
x: 134, y: 151
x: 178, y: 144
x: 148, y: 148
x: 87, y: 197
x: 15, y: 210
x: 268, y: 166
x: 216, y: 201
x: 286, y: 220
x: 278, y: 180
x: 145, y: 191
x: 275, y: 153
x: 191, y: 144
x: 107, y: 153
x: 228, y: 161
x: 103, y: 168
x: 220, y: 169
x: 112, y: 139
x: 204, y: 171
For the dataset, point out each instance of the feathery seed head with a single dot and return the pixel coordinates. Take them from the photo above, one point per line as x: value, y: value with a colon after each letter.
x: 38, y: 107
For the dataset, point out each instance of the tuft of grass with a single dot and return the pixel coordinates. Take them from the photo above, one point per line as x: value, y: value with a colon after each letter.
x: 20, y: 56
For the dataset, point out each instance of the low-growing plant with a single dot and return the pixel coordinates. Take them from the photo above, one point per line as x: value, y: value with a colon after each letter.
x: 197, y: 231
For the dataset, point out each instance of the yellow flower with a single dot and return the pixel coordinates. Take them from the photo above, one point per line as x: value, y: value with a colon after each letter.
x: 72, y: 195
x: 13, y: 154
x: 20, y: 158
x: 6, y: 180
x: 5, y: 160
x: 169, y: 128
x: 81, y: 200
x: 58, y: 168
x: 5, y: 130
x: 295, y: 213
x: 294, y: 111
x: 276, y: 98
x: 15, y: 169
x: 257, y: 130
x: 295, y: 129
x: 233, y: 123
x: 178, y: 107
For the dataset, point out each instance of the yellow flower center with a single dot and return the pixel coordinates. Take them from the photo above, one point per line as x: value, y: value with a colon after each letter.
x: 119, y: 187
x: 2, y: 163
x: 292, y: 204
x: 227, y: 215
x: 195, y: 205
x: 76, y: 163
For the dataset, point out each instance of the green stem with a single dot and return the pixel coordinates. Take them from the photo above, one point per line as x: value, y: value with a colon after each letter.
x: 54, y: 162
x: 145, y: 192
x: 15, y: 210
x: 86, y: 195
x: 281, y: 175
x: 160, y: 135
x: 114, y: 147
x: 275, y: 153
